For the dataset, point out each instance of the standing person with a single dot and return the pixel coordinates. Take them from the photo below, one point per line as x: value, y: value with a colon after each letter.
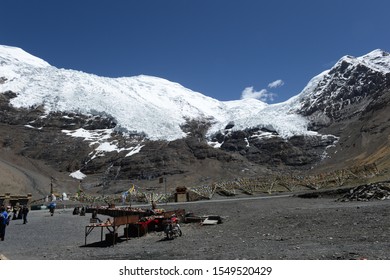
x: 94, y: 216
x: 15, y: 211
x: 52, y: 207
x: 24, y: 213
x: 82, y: 211
x: 20, y: 213
x: 3, y: 222
x: 154, y: 205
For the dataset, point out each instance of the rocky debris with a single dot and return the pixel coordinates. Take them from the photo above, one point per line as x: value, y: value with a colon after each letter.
x: 380, y: 191
x: 266, y: 147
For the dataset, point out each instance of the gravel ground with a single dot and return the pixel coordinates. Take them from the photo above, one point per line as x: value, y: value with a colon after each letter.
x: 275, y: 228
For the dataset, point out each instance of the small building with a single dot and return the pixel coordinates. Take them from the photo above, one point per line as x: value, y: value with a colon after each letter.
x: 13, y: 200
x: 181, y: 194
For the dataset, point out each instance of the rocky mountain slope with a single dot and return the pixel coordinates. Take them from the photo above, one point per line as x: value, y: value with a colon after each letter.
x: 55, y: 123
x: 351, y: 101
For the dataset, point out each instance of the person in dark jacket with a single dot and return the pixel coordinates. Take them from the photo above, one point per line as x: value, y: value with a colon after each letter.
x: 24, y: 213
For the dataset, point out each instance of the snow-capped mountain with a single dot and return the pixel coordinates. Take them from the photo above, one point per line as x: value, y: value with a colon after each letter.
x: 143, y: 104
x: 116, y: 129
x: 348, y: 82
x: 158, y: 108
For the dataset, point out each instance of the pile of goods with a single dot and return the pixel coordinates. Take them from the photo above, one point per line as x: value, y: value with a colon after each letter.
x: 380, y: 191
x: 117, y: 211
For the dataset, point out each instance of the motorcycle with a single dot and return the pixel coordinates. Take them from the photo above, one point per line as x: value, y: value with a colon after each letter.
x: 172, y: 229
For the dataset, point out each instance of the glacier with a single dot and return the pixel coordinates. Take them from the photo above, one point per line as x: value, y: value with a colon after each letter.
x: 144, y: 104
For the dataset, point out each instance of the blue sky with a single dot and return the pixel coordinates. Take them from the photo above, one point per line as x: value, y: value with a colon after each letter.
x: 223, y: 49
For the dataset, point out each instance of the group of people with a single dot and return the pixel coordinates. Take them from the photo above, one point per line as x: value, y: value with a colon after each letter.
x: 20, y: 212
x: 79, y: 211
x: 5, y: 217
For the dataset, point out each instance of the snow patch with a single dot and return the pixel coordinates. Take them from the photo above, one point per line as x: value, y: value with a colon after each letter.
x: 101, y: 139
x: 32, y: 127
x: 135, y: 150
x: 216, y: 145
x: 78, y: 175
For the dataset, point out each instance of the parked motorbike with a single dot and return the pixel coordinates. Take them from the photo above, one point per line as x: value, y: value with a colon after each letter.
x: 172, y: 229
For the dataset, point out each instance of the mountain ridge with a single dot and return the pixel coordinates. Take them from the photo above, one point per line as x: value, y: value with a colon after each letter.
x: 46, y: 116
x: 127, y: 98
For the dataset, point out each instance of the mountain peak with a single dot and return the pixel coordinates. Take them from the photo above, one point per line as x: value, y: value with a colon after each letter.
x: 349, y: 81
x: 376, y: 53
x: 377, y: 60
x: 14, y: 55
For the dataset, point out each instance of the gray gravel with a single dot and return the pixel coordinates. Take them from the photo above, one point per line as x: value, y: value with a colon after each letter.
x: 278, y: 228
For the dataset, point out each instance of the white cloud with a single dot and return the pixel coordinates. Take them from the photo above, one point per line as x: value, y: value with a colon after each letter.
x: 263, y: 95
x: 276, y: 84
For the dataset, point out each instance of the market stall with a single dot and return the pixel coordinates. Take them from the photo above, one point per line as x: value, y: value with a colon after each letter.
x: 137, y: 221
